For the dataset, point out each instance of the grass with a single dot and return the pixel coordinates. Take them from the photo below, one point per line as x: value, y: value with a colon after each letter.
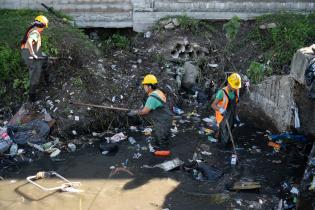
x: 292, y: 32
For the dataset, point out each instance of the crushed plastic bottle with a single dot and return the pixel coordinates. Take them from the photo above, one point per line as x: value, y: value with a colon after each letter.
x: 132, y: 140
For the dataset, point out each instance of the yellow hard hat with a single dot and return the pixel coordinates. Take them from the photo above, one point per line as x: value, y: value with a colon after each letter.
x: 149, y: 79
x: 235, y: 81
x: 42, y: 19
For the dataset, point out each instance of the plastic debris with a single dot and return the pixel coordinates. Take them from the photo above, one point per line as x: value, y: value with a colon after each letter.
x: 66, y: 185
x: 171, y: 164
x: 147, y: 131
x: 132, y: 140
x: 211, y: 139
x: 72, y: 147
x: 116, y: 138
x: 276, y: 146
x: 288, y: 136
x: 109, y: 149
x: 162, y: 153
x: 245, y: 186
x: 136, y: 155
x: 206, y: 153
x: 55, y: 152
x: 177, y: 110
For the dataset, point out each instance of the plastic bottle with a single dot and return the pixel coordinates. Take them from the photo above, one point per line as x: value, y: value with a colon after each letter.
x: 162, y: 153
x: 5, y: 142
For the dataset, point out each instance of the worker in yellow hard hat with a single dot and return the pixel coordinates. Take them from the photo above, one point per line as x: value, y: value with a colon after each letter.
x: 225, y: 106
x: 156, y: 108
x: 32, y: 55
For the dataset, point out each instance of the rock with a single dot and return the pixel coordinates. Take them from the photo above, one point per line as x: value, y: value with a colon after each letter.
x: 175, y: 22
x: 147, y: 34
x: 165, y: 22
x: 169, y: 26
x: 267, y: 26
x: 300, y: 62
x: 190, y: 75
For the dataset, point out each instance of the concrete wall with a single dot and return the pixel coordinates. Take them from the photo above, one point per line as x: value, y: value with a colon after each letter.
x: 141, y: 14
x: 278, y: 94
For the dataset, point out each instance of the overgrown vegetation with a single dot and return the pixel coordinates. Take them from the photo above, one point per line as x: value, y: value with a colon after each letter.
x: 231, y: 29
x: 257, y: 71
x: 116, y: 41
x: 291, y: 32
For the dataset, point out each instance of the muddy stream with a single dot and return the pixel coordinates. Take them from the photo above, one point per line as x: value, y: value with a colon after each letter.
x: 152, y: 188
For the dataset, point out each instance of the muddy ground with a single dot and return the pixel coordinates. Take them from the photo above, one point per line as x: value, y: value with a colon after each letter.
x: 152, y: 188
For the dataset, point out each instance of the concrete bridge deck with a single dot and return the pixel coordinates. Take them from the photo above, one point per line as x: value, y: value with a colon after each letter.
x: 140, y: 14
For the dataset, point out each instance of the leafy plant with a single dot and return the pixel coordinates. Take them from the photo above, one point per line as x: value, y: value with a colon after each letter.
x: 231, y: 28
x: 257, y: 71
x: 120, y: 41
x: 188, y: 23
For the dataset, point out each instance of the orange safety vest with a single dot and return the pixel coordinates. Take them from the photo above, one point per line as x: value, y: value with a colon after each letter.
x: 224, y: 104
x: 28, y: 34
x: 160, y: 94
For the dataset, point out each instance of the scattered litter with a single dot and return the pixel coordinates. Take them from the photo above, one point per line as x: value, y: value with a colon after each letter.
x: 133, y: 128
x: 206, y: 153
x: 147, y: 131
x: 74, y: 132
x: 288, y: 136
x: 66, y: 186
x: 233, y: 159
x: 136, y: 155
x: 211, y: 139
x: 169, y: 165
x: 132, y: 140
x: 76, y: 118
x: 177, y: 110
x: 162, y: 153
x: 116, y: 138
x: 55, y: 152
x: 245, y: 186
x: 294, y: 190
x: 276, y: 146
x: 72, y: 147
x: 147, y: 34
x: 108, y: 149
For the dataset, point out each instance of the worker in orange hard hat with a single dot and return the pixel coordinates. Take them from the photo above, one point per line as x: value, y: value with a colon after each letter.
x: 156, y: 108
x: 225, y: 105
x: 32, y: 55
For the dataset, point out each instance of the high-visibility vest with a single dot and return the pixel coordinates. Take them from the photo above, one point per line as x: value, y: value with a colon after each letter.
x: 160, y: 94
x: 28, y: 34
x: 224, y: 104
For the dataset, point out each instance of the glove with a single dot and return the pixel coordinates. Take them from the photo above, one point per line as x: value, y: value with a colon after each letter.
x: 132, y: 112
x: 222, y: 111
x: 237, y: 120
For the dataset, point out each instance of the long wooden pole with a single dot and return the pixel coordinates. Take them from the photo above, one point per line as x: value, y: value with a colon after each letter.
x: 229, y: 129
x: 99, y: 106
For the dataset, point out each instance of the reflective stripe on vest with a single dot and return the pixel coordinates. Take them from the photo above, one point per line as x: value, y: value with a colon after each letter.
x: 224, y: 103
x: 28, y: 34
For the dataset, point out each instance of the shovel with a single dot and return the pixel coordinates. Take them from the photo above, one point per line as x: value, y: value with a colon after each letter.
x: 234, y: 156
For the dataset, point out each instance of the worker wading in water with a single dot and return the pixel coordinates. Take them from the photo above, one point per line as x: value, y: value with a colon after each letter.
x: 225, y: 106
x: 156, y: 108
x: 32, y: 56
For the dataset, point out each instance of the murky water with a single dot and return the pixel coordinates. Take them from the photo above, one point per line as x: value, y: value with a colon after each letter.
x: 153, y: 188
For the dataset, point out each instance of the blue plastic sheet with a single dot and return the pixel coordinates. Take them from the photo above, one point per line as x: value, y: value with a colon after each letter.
x: 288, y: 136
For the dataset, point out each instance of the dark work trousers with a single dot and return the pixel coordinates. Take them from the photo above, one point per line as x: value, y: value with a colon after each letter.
x: 230, y: 117
x: 35, y: 67
x: 162, y: 123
